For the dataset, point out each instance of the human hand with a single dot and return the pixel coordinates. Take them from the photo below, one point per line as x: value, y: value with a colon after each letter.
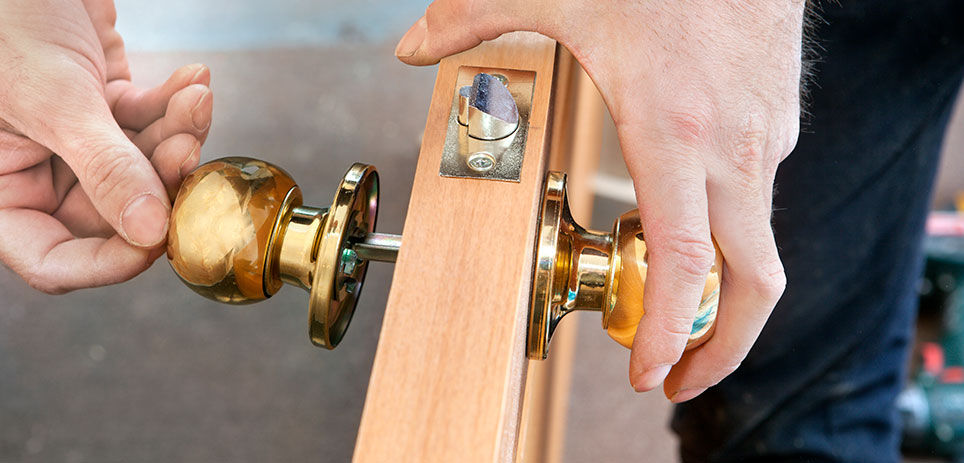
x: 705, y: 97
x: 88, y: 161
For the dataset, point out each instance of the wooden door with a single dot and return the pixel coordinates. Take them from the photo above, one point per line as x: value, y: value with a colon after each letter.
x: 450, y: 381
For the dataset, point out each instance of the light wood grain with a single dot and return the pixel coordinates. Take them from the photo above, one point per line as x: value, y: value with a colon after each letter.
x: 576, y: 139
x: 450, y: 367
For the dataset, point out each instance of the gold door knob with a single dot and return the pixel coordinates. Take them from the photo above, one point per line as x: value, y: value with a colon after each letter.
x: 579, y: 269
x: 239, y: 231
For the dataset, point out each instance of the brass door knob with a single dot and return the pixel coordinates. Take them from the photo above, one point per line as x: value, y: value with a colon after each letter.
x: 239, y: 231
x: 579, y: 269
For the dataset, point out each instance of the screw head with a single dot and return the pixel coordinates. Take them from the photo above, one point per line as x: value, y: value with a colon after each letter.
x: 481, y: 161
x: 348, y: 261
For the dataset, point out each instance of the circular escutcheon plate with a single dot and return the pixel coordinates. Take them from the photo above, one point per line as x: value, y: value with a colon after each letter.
x: 339, y: 273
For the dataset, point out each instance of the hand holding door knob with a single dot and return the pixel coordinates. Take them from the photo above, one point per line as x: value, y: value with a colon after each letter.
x: 579, y: 269
x: 239, y: 231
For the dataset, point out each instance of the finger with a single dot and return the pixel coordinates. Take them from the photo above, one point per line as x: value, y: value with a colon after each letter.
x: 18, y: 152
x: 50, y: 187
x: 174, y: 159
x: 136, y: 108
x: 63, y: 178
x: 29, y: 188
x: 103, y: 16
x: 452, y: 26
x: 74, y: 209
x: 753, y: 281
x: 188, y: 112
x: 118, y: 179
x: 80, y: 217
x: 672, y: 198
x: 47, y: 256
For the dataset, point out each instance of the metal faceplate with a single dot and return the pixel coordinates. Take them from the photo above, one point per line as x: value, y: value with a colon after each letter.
x: 467, y: 156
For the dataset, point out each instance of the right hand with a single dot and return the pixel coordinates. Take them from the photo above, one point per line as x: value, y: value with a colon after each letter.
x: 705, y: 96
x: 88, y: 161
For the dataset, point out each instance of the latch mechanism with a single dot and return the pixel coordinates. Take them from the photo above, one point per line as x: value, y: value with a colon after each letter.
x: 488, y: 124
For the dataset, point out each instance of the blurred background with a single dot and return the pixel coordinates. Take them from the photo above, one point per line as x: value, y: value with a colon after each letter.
x: 148, y: 371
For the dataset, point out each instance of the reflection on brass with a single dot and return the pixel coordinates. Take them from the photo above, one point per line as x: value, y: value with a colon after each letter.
x: 239, y: 231
x: 488, y: 145
x: 221, y: 225
x: 579, y: 269
x: 339, y: 272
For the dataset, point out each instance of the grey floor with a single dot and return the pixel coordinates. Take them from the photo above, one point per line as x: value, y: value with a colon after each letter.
x: 147, y: 371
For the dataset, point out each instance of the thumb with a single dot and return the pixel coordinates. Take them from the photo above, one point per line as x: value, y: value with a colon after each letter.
x: 120, y: 182
x: 452, y: 26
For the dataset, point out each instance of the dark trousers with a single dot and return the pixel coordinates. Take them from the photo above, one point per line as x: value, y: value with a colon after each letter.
x: 821, y: 382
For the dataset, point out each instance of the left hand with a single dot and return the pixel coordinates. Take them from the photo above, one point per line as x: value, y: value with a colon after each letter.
x: 88, y: 161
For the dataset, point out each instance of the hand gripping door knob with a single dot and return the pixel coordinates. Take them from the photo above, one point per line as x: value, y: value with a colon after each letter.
x: 579, y: 269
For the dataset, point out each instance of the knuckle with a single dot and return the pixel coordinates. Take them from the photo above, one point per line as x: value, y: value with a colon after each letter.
x: 748, y: 152
x: 110, y: 15
x: 107, y: 169
x: 688, y: 125
x: 766, y: 281
x: 445, y: 13
x: 471, y: 8
x: 676, y: 324
x: 790, y: 136
x: 693, y: 256
x: 432, y: 10
x: 755, y: 146
x: 442, y: 10
x: 770, y: 282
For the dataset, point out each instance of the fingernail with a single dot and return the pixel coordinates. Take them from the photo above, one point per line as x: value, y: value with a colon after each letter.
x: 686, y: 394
x: 197, y: 75
x: 144, y: 221
x: 651, y: 378
x: 190, y: 162
x: 198, y: 116
x: 412, y: 39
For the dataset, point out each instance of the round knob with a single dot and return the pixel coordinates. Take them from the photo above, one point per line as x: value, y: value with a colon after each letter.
x: 222, y: 224
x: 579, y: 269
x: 239, y: 231
x: 629, y: 280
